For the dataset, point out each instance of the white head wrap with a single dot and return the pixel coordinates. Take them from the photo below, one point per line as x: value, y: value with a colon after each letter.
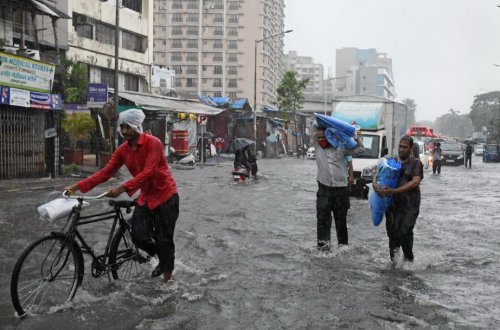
x: 133, y: 118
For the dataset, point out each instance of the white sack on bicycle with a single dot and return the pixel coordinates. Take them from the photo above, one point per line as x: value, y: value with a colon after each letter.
x: 57, y: 209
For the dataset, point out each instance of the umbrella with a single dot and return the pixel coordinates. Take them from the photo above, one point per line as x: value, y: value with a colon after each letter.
x: 240, y: 143
x: 470, y: 142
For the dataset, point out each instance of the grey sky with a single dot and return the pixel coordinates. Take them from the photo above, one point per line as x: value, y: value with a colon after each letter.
x: 442, y: 50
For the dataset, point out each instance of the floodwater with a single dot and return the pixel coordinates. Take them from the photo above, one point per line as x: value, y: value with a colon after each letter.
x: 246, y: 259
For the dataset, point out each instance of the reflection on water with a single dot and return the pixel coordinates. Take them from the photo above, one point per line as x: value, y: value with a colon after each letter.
x: 246, y: 258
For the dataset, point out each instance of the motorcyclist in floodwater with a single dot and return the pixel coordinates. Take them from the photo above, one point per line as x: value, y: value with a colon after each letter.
x: 403, y: 212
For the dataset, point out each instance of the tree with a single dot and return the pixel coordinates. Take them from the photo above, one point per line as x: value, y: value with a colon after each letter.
x: 412, y: 110
x: 75, y: 81
x: 484, y: 109
x: 291, y: 98
x: 453, y: 124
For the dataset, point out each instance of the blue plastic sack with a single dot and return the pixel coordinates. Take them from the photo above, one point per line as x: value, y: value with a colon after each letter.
x: 339, y: 139
x: 337, y: 124
x: 387, y: 176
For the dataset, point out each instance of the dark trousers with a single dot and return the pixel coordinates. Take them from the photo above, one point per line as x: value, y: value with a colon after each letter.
x: 153, y: 231
x: 469, y: 160
x: 436, y: 166
x: 328, y: 200
x: 399, y: 225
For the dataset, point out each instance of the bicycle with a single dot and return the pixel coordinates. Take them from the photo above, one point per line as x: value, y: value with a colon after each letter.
x: 50, y: 270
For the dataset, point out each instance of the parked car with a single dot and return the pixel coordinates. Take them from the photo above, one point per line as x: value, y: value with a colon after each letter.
x: 491, y: 153
x: 478, y: 149
x: 453, y: 153
x: 311, y: 153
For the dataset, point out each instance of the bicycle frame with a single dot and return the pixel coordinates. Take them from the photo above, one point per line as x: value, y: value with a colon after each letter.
x: 100, y: 262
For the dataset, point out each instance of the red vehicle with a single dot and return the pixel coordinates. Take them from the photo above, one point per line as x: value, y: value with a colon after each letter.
x: 420, y: 131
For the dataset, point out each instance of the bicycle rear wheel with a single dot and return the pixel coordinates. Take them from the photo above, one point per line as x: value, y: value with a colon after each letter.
x: 126, y: 260
x: 45, y: 276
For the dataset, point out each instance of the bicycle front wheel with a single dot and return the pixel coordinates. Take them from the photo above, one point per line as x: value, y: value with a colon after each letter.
x: 126, y: 260
x: 45, y: 276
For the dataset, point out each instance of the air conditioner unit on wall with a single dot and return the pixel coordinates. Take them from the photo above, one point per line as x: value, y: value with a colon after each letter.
x: 85, y: 20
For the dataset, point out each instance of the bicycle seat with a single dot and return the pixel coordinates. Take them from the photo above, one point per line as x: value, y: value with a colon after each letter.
x: 122, y: 203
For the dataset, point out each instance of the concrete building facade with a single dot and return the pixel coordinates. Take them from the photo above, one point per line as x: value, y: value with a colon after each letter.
x: 91, y: 40
x: 366, y: 72
x: 210, y: 44
x: 307, y: 68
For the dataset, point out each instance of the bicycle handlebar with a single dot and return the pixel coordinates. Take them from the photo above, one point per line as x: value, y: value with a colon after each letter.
x: 65, y: 194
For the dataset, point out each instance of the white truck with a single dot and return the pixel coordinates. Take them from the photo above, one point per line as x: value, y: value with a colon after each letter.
x: 383, y: 122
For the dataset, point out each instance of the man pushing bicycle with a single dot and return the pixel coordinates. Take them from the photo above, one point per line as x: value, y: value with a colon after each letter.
x: 155, y: 215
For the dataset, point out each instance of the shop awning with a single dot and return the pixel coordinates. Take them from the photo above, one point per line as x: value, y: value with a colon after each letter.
x: 166, y: 104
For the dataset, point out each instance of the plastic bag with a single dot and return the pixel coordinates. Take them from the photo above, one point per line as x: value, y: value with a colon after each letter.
x: 57, y: 209
x: 387, y: 176
x: 340, y: 140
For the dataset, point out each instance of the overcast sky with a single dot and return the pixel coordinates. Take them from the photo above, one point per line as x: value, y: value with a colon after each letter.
x: 442, y: 50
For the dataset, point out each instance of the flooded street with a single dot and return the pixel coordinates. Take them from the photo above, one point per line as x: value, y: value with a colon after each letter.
x: 246, y: 259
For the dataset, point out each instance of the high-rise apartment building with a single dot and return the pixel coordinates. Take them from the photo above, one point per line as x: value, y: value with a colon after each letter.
x: 366, y: 72
x: 307, y: 68
x: 210, y: 44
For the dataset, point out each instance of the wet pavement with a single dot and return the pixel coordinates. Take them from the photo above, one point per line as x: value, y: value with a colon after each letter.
x: 246, y: 258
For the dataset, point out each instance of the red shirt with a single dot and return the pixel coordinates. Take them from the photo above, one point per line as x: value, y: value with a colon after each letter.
x: 149, y: 169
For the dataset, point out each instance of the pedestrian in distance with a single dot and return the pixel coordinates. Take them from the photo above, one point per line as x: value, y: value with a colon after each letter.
x: 219, y: 142
x: 468, y: 155
x: 332, y: 195
x: 157, y: 209
x: 403, y: 212
x: 437, y: 154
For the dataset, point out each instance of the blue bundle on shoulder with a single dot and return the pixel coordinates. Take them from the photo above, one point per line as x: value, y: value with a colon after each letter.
x: 338, y: 133
x: 387, y: 176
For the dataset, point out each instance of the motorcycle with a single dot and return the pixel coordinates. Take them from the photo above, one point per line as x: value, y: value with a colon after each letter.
x: 240, y: 174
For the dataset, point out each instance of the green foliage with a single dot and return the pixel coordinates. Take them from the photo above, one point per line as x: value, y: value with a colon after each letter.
x: 291, y: 93
x: 484, y: 109
x: 412, y: 110
x: 453, y: 124
x: 78, y: 126
x: 494, y: 129
x: 75, y: 81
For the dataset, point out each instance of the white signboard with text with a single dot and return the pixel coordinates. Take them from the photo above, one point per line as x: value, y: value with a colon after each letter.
x: 161, y: 77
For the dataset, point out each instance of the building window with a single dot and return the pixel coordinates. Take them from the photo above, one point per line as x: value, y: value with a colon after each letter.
x: 192, y: 69
x: 232, y: 31
x: 218, y: 4
x: 192, y: 31
x: 192, y: 57
x: 233, y: 70
x: 135, y: 5
x: 192, y: 17
x: 218, y: 31
x: 217, y: 82
x: 217, y: 94
x: 232, y: 83
x: 232, y: 95
x: 218, y: 18
x: 234, y: 5
x: 192, y: 4
x: 217, y: 43
x: 176, y: 57
x: 191, y: 82
x: 217, y: 57
x: 132, y: 41
x: 178, y: 82
x: 177, y: 69
x: 177, y: 4
x: 232, y: 44
x: 108, y: 77
x: 177, y: 17
x: 233, y: 18
x: 232, y: 57
x: 176, y: 43
x: 176, y: 30
x: 192, y: 43
x: 131, y: 83
x: 217, y: 69
x: 105, y: 34
x: 83, y: 25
